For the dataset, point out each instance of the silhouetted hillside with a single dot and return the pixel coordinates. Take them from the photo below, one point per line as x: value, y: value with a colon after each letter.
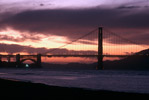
x: 133, y: 62
x: 143, y: 52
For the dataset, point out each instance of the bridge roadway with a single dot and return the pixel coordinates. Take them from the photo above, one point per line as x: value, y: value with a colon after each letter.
x: 71, y: 55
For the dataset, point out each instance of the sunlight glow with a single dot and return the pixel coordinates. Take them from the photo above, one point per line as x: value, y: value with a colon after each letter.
x: 52, y: 41
x: 25, y: 39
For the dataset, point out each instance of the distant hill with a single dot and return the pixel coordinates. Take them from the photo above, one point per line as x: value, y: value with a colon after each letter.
x: 143, y: 52
x: 70, y: 66
x: 132, y: 62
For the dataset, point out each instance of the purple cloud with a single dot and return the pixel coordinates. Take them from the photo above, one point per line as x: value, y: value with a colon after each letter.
x: 74, y: 23
x: 11, y: 48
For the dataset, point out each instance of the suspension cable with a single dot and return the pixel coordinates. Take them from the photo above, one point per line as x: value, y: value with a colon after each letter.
x: 71, y: 41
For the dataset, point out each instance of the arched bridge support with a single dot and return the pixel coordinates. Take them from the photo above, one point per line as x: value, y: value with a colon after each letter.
x: 35, y: 58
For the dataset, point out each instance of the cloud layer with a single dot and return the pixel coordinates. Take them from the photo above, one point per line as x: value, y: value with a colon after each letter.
x: 14, y: 48
x: 127, y: 20
x: 74, y: 23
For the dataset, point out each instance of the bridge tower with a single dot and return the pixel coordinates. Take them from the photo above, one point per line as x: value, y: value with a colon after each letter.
x: 100, y: 49
x: 18, y: 60
x: 38, y: 60
x: 0, y: 59
x: 8, y: 59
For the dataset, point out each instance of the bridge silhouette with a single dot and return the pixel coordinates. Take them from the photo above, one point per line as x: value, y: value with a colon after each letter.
x: 98, y: 43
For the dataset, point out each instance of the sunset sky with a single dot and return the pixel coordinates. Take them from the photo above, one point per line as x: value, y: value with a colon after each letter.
x: 36, y: 26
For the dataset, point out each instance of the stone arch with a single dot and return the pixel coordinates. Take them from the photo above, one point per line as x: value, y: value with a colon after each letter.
x: 28, y: 59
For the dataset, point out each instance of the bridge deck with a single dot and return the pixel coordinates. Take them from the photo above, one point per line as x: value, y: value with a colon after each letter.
x: 71, y: 55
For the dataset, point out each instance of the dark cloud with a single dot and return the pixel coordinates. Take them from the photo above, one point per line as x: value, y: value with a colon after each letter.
x: 20, y: 39
x: 41, y: 4
x: 128, y: 7
x: 146, y: 6
x: 75, y: 22
x: 87, y: 42
x: 14, y: 48
x: 10, y: 38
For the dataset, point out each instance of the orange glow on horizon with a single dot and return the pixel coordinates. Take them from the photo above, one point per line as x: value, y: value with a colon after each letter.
x: 51, y: 41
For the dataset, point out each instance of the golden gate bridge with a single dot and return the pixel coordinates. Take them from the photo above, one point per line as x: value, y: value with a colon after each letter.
x: 98, y: 43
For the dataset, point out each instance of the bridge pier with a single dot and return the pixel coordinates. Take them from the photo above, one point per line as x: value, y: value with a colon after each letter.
x: 18, y: 60
x: 8, y: 59
x: 0, y: 59
x: 100, y: 49
x: 38, y: 60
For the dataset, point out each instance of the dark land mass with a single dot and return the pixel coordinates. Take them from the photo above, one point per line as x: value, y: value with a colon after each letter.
x: 5, y: 64
x: 133, y: 62
x: 26, y: 90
